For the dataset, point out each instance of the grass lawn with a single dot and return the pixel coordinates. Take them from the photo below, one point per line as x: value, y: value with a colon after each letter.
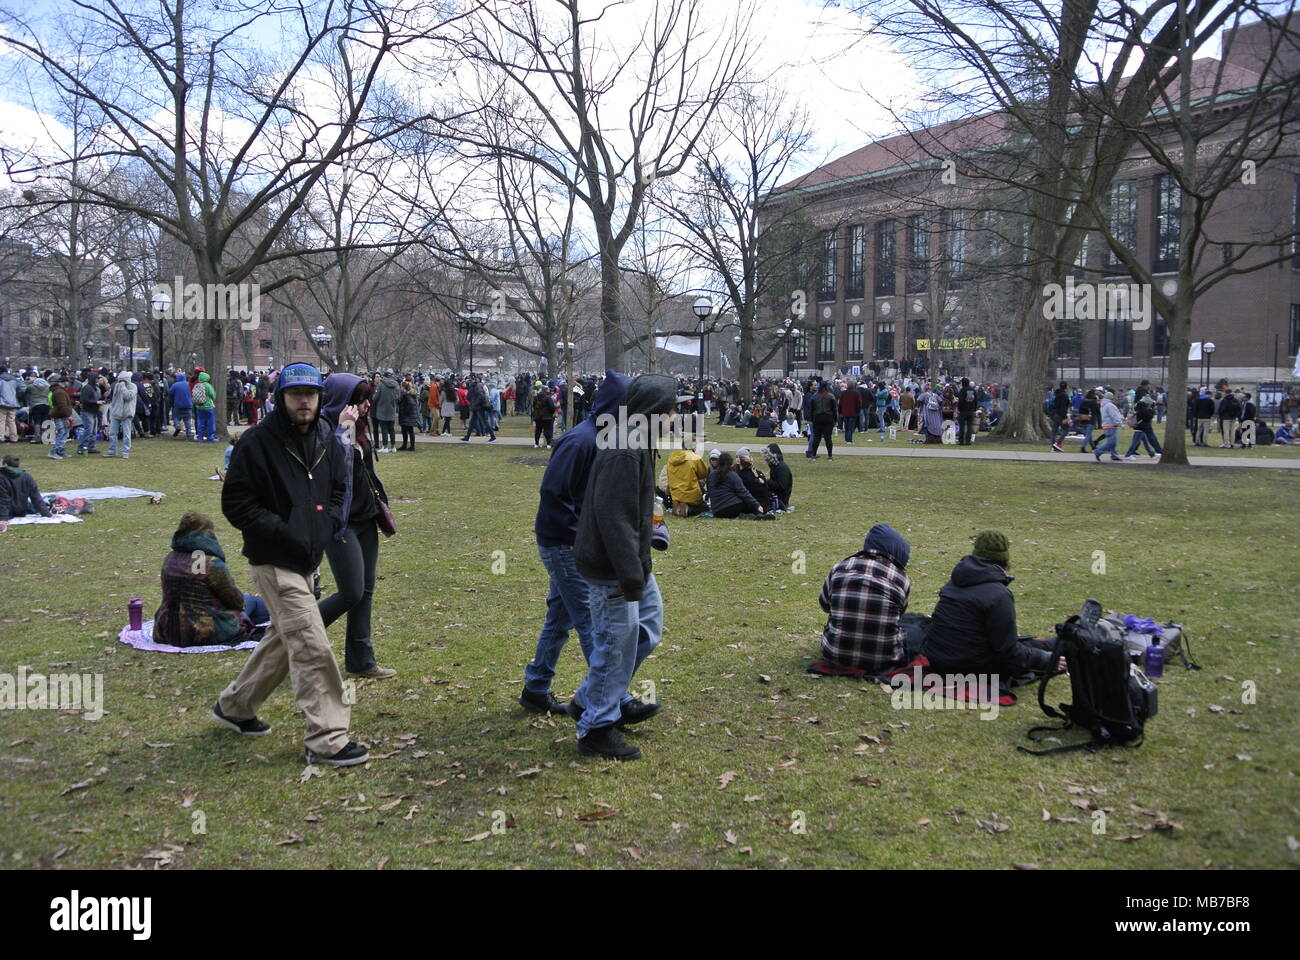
x: 753, y: 762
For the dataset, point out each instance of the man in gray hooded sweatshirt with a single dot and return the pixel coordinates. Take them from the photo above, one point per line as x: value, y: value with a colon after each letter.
x: 121, y: 413
x: 612, y: 551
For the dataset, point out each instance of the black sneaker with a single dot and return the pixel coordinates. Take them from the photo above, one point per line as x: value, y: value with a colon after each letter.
x: 542, y: 703
x: 349, y: 756
x: 251, y: 728
x: 634, y: 711
x: 607, y: 742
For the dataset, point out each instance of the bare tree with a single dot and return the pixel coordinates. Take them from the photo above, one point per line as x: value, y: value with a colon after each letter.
x: 224, y: 123
x: 605, y: 118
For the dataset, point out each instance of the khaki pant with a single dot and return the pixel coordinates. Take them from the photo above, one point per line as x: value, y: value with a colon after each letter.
x: 295, y: 644
x: 1203, y: 430
x: 1229, y: 430
x: 9, y: 423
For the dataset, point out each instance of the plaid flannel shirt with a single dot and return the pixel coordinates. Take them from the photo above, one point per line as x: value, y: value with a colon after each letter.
x: 865, y: 596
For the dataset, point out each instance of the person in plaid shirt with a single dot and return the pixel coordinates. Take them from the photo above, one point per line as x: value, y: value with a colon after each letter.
x: 865, y: 596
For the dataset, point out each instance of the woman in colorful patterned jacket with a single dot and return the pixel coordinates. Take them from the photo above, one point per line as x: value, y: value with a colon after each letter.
x: 201, y: 606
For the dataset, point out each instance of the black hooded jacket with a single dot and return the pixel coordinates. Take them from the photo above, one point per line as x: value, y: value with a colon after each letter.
x: 973, y: 627
x: 780, y: 479
x: 284, y: 491
x: 613, y: 541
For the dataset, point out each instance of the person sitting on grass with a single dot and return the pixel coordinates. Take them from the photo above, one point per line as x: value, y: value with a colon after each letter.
x: 789, y: 426
x: 201, y: 606
x: 1285, y: 434
x: 973, y: 627
x: 728, y: 497
x: 865, y: 597
x: 779, y: 477
x: 686, y: 472
x: 235, y: 433
x: 753, y: 480
x: 19, y: 494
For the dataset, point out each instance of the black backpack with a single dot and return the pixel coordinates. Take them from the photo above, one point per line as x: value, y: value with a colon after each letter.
x: 1112, y: 698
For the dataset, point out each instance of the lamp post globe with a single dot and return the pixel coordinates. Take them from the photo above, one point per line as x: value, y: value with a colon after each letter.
x: 132, y: 325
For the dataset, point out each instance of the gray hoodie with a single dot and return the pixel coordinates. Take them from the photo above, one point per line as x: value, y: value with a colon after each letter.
x: 122, y: 405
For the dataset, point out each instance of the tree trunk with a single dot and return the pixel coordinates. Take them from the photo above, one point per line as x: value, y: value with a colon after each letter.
x: 610, y: 312
x: 1023, y: 417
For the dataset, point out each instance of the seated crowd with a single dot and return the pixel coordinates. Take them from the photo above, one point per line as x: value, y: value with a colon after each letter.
x: 726, y: 487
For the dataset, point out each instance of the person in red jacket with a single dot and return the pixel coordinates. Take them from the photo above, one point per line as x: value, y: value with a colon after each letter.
x: 850, y: 405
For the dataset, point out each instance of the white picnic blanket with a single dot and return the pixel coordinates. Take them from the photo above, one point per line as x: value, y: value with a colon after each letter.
x: 142, y: 639
x: 35, y: 518
x: 105, y: 493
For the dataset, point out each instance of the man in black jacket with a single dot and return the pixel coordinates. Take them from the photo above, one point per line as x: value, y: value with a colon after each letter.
x: 612, y: 550
x: 1060, y: 414
x: 1203, y: 409
x: 967, y: 404
x: 973, y: 628
x: 19, y: 493
x: 285, y: 491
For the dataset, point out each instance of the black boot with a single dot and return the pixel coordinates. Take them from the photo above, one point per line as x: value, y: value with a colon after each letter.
x: 607, y: 742
x: 542, y: 703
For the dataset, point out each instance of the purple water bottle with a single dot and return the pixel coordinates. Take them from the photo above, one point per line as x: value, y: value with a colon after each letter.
x: 1153, y: 664
x: 135, y: 611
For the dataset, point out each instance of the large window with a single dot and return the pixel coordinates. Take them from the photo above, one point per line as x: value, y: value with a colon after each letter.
x: 918, y: 255
x: 853, y: 270
x: 826, y: 342
x: 954, y: 241
x: 885, y: 255
x: 1294, y: 346
x: 1119, y: 339
x: 1122, y: 209
x: 827, y: 291
x: 1168, y: 213
x: 885, y: 341
x: 1069, y: 338
x: 853, y: 334
x: 800, y: 349
x: 1160, y: 337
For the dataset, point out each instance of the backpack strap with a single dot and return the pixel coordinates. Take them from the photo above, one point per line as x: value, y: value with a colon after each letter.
x: 1042, y: 690
x: 1066, y: 748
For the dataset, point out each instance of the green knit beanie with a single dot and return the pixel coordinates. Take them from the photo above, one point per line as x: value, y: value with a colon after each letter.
x: 994, y: 546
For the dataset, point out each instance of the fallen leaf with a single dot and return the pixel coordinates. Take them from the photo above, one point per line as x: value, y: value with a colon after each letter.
x: 596, y: 815
x: 866, y: 781
x: 726, y: 778
x: 730, y: 837
x: 78, y: 786
x: 634, y: 851
x: 530, y: 772
x: 309, y: 772
x: 383, y: 862
x: 746, y: 851
x: 1292, y: 843
x: 753, y: 798
x: 1026, y: 866
x: 764, y: 678
x: 293, y: 838
x: 581, y: 849
x: 923, y: 822
x: 994, y: 826
x: 477, y: 837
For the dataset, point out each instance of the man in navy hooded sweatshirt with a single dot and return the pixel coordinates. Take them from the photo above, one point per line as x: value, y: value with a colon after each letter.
x: 564, y: 484
x: 182, y: 406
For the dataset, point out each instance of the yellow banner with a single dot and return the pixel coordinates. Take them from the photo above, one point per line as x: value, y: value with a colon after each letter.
x: 958, y: 343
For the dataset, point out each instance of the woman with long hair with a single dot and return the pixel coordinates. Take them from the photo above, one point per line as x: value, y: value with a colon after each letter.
x: 448, y: 408
x: 408, y: 414
x: 728, y: 497
x: 354, y: 554
x: 201, y: 606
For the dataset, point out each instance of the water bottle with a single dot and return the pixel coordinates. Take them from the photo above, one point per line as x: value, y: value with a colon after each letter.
x: 135, y: 611
x: 1153, y: 664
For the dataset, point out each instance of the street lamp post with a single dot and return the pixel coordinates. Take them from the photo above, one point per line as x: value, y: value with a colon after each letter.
x: 161, y: 304
x: 788, y: 335
x: 323, y: 341
x: 1208, y: 350
x: 470, y: 322
x: 132, y: 325
x: 89, y: 345
x: 703, y: 306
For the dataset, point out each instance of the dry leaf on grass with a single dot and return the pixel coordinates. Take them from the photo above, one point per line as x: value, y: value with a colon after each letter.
x: 730, y: 836
x: 866, y: 781
x: 596, y: 815
x: 477, y: 837
x: 994, y: 826
x: 726, y: 778
x: 291, y: 839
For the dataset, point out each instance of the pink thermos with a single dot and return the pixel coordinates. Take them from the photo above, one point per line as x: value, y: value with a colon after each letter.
x: 136, y: 609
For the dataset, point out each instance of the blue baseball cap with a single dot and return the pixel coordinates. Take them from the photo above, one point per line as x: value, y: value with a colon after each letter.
x: 301, y: 375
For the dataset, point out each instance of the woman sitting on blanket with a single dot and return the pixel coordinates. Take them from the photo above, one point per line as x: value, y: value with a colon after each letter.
x: 201, y: 606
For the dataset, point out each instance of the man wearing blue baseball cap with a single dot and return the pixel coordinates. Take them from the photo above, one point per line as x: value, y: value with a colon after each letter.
x: 285, y: 491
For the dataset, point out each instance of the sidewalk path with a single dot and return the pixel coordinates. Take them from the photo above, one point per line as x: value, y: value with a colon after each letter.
x: 902, y: 448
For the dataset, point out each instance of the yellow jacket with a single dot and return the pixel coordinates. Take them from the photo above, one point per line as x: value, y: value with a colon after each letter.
x: 686, y: 469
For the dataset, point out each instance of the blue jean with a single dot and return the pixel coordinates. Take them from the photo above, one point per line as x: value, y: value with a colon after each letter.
x: 880, y: 419
x: 207, y: 423
x: 849, y: 424
x: 567, y: 608
x: 1087, y: 429
x: 1111, y: 442
x: 1147, y: 439
x: 255, y: 609
x: 626, y: 631
x: 60, y: 434
x: 89, y: 427
x: 116, y: 426
x: 183, y: 415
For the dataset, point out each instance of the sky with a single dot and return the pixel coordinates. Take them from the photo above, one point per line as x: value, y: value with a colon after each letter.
x: 799, y: 43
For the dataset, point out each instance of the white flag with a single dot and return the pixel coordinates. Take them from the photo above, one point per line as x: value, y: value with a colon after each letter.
x: 688, y: 346
x: 728, y: 362
x: 1195, y: 352
x: 1296, y: 371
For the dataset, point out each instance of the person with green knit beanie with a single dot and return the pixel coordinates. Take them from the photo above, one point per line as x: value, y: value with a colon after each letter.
x: 993, y: 545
